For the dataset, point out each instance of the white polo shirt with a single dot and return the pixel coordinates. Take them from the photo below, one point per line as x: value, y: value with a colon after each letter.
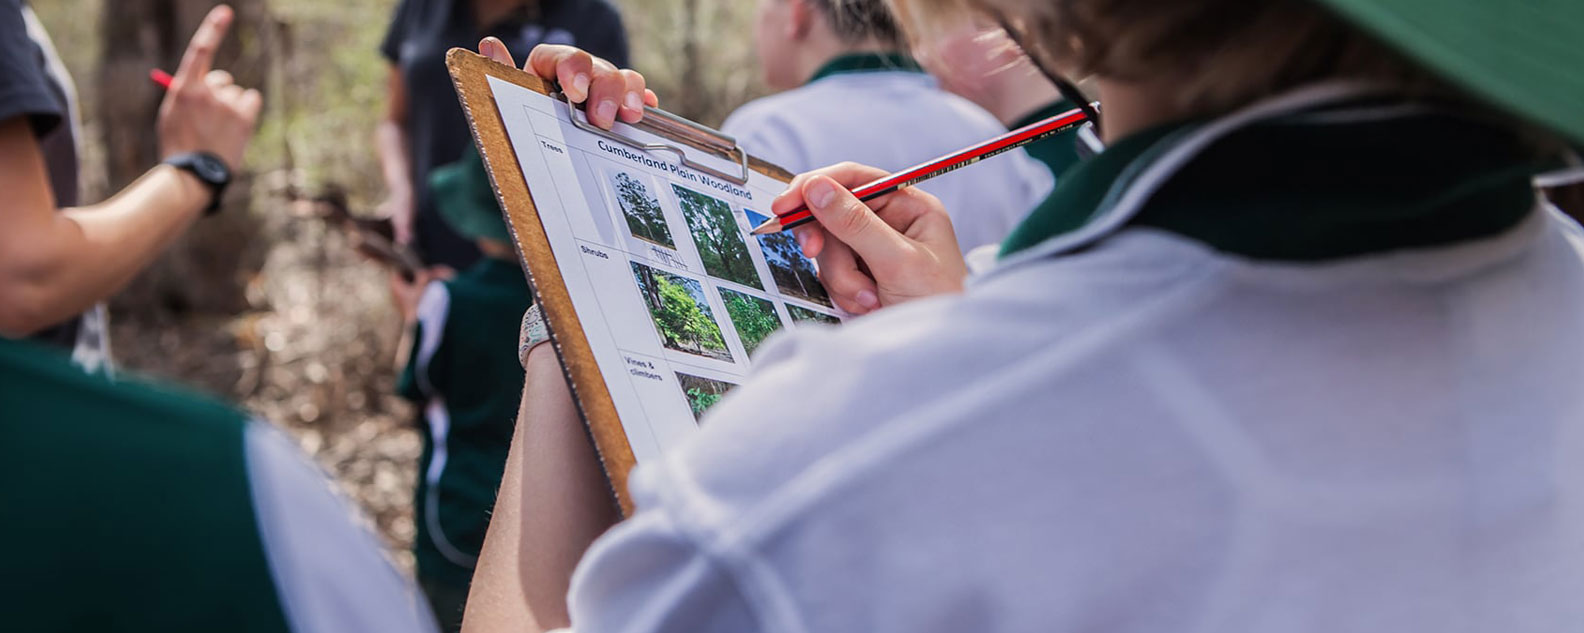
x: 1351, y: 410
x: 871, y: 109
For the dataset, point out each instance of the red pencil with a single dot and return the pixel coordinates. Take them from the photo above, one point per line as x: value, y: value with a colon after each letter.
x: 161, y: 77
x: 948, y: 163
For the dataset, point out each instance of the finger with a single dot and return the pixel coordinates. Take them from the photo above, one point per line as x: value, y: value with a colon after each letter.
x: 651, y: 99
x: 633, y: 101
x: 229, y: 93
x: 852, y: 222
x: 849, y: 175
x: 605, y: 96
x: 250, y: 103
x: 199, y: 57
x: 849, y: 286
x: 573, y: 68
x: 495, y: 49
x: 219, y: 79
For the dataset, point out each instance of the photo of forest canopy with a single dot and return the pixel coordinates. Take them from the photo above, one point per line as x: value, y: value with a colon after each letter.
x: 754, y: 318
x: 702, y: 393
x: 642, y: 209
x: 793, y: 273
x: 805, y: 315
x: 681, y: 313
x: 719, y: 239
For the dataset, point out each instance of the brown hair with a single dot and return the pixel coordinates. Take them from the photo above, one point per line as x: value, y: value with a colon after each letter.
x: 857, y: 21
x: 1224, y: 53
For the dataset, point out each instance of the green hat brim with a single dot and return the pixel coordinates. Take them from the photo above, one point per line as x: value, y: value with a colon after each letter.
x: 1524, y: 55
x: 466, y: 199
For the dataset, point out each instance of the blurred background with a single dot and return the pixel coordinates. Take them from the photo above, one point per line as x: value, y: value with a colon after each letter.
x: 266, y: 305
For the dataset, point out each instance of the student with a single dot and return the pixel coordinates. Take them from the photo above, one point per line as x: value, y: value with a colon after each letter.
x: 1306, y: 363
x: 58, y: 259
x: 138, y: 508
x: 847, y: 93
x: 424, y: 127
x: 465, y: 383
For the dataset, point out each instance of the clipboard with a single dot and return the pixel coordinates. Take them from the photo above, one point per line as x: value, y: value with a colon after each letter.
x: 697, y: 156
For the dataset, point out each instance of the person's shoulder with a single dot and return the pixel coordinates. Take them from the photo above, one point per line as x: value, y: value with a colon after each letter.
x: 830, y: 408
x: 769, y: 109
x: 43, y: 385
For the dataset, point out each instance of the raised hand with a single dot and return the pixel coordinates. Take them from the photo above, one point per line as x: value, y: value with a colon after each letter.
x: 205, y: 111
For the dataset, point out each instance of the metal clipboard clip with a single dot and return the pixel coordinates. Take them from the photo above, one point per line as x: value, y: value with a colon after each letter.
x: 667, y: 125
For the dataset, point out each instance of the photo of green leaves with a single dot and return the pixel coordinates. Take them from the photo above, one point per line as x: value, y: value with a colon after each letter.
x: 702, y: 393
x: 718, y: 237
x: 645, y: 219
x: 805, y: 315
x: 681, y: 313
x: 755, y: 319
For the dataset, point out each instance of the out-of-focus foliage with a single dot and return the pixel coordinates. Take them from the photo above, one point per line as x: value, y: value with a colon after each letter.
x: 698, y: 55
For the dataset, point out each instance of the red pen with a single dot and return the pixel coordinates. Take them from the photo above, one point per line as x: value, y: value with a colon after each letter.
x: 161, y: 77
x: 945, y: 164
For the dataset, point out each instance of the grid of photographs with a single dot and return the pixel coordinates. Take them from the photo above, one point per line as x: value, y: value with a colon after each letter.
x: 681, y: 313
x: 645, y: 218
x: 718, y: 237
x: 755, y: 319
x: 702, y: 393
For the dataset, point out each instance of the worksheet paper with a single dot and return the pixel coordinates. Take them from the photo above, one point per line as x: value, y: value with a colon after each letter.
x: 673, y: 292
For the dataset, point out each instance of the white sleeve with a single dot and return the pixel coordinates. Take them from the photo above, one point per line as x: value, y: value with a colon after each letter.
x: 328, y: 571
x: 434, y: 306
x: 646, y: 576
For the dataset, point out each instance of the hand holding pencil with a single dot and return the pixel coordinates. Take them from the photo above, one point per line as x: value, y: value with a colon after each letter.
x: 889, y: 250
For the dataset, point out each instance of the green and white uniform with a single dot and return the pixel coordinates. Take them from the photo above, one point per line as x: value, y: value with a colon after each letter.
x: 132, y: 507
x: 1311, y: 367
x: 465, y: 375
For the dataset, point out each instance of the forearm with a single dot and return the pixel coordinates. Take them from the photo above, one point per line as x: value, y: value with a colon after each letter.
x: 526, y: 566
x: 390, y: 140
x: 65, y: 262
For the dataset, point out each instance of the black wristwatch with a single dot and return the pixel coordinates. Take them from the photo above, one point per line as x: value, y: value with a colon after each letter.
x: 208, y: 168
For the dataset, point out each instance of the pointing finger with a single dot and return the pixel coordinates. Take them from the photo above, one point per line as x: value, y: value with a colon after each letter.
x: 199, y: 57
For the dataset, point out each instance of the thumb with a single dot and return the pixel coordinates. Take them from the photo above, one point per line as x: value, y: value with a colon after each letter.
x: 848, y: 219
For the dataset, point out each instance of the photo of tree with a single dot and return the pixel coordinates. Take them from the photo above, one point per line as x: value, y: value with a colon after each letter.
x: 681, y: 313
x: 793, y: 273
x: 702, y: 393
x: 719, y: 239
x: 754, y: 318
x: 805, y: 315
x: 642, y: 209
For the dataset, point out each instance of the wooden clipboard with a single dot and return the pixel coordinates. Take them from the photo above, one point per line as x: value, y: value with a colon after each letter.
x: 471, y: 72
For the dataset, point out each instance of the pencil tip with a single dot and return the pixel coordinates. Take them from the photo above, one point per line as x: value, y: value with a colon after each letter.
x: 769, y: 226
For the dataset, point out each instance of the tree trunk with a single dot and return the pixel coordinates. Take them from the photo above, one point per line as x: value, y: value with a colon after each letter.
x: 206, y: 269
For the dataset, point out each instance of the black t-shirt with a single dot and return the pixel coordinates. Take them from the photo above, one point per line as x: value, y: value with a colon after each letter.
x: 419, y: 36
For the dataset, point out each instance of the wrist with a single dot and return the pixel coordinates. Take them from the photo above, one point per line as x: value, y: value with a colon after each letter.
x: 194, y: 195
x: 211, y: 172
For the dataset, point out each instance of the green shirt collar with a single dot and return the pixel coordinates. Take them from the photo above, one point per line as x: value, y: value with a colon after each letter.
x: 1300, y: 188
x: 1058, y: 153
x: 866, y: 63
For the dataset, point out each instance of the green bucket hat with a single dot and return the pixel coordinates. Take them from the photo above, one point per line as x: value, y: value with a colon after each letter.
x: 466, y: 200
x: 1524, y: 55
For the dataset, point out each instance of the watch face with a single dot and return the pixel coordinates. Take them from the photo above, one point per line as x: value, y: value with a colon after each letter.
x: 211, y: 169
